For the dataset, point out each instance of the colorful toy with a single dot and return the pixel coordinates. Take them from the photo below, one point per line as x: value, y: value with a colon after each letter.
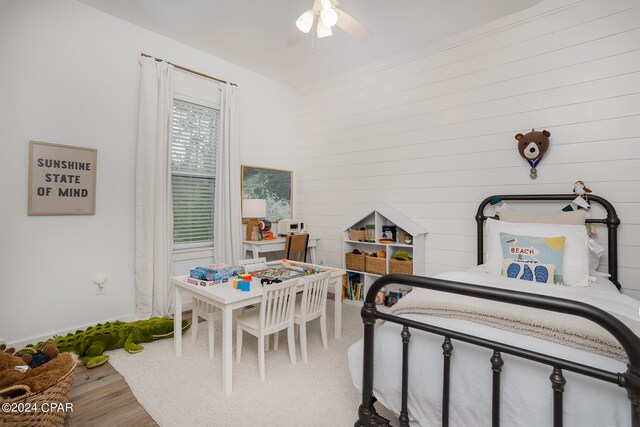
x: 94, y: 341
x: 401, y: 256
x: 580, y: 189
x: 581, y: 192
x: 48, y: 352
x: 532, y: 147
x: 14, y: 373
x: 8, y: 350
x: 244, y: 285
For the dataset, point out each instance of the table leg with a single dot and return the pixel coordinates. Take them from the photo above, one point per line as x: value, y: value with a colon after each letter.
x: 177, y: 323
x: 227, y: 350
x: 313, y: 255
x: 338, y: 307
x: 256, y: 254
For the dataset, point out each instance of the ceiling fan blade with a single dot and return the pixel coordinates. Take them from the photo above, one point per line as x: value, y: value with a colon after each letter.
x: 352, y: 26
x: 322, y: 30
x: 294, y: 37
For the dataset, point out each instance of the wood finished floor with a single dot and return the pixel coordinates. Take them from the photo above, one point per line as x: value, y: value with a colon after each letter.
x: 101, y: 397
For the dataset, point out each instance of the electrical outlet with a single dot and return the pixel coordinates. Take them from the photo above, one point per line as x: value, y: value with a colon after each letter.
x: 100, y: 279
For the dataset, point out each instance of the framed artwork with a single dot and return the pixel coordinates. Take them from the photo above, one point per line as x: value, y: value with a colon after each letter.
x: 62, y: 179
x: 274, y: 185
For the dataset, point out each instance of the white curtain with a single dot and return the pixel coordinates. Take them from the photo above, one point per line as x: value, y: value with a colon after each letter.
x: 154, y: 210
x: 227, y: 222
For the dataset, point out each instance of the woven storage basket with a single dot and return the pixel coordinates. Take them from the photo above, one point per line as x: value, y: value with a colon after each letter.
x: 355, y: 262
x: 401, y: 267
x: 58, y: 393
x: 376, y: 265
x: 357, y: 234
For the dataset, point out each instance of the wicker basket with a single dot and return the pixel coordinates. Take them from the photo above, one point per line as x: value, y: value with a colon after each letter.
x: 357, y: 235
x: 57, y: 394
x: 355, y: 262
x: 401, y: 267
x: 376, y: 265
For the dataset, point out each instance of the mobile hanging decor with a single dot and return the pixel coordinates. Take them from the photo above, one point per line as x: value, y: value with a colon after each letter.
x: 532, y: 147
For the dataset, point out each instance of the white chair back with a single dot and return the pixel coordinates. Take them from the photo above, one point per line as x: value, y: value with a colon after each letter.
x: 203, y: 307
x: 314, y: 295
x: 278, y: 305
x: 253, y: 264
x: 252, y: 261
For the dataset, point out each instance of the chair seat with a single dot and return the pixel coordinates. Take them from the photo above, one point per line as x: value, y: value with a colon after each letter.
x: 249, y: 320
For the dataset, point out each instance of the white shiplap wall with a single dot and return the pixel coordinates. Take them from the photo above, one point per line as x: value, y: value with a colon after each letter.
x: 432, y: 133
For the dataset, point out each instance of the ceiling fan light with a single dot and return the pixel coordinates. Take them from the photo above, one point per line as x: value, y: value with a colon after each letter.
x: 329, y: 16
x: 323, y: 30
x: 305, y: 21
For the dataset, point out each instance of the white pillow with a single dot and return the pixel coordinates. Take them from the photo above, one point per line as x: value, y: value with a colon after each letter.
x: 573, y: 217
x: 595, y: 253
x: 575, y: 264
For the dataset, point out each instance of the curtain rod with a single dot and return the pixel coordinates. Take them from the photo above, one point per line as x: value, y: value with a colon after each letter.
x: 189, y: 70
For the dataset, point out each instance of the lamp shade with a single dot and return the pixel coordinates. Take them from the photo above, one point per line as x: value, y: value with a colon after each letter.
x: 329, y: 16
x: 305, y: 21
x: 254, y: 208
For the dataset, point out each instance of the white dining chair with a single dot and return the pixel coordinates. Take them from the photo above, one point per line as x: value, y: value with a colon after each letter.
x: 311, y: 306
x: 275, y: 314
x: 207, y: 312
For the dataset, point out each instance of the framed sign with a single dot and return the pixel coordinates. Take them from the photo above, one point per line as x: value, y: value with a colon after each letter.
x: 274, y: 185
x: 62, y: 179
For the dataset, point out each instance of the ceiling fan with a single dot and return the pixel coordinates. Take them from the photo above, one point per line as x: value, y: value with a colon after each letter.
x: 325, y: 14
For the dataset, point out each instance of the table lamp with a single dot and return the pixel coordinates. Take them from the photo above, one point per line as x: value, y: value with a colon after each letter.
x: 254, y: 209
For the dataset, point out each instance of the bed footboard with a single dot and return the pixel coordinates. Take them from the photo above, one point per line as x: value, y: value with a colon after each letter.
x: 630, y: 380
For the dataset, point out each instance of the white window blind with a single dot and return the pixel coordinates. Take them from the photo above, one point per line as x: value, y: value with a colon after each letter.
x: 194, y: 138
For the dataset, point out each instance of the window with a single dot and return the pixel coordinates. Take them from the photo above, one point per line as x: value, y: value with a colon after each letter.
x: 194, y: 138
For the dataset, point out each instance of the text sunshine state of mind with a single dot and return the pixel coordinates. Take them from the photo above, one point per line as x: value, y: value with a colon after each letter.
x: 64, y: 164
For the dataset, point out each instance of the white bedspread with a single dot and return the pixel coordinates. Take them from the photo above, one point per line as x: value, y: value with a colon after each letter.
x: 526, y: 395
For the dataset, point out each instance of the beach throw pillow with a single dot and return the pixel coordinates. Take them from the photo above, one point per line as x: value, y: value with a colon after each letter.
x: 535, y: 259
x: 575, y: 266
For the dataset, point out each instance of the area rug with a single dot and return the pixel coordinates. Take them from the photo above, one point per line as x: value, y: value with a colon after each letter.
x: 187, y: 391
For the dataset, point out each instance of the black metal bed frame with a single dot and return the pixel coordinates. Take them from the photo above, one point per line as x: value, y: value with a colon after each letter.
x: 630, y: 380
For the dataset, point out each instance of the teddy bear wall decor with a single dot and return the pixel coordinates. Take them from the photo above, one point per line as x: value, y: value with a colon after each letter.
x: 532, y: 147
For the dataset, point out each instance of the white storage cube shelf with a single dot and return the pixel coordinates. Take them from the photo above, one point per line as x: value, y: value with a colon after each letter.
x: 380, y: 217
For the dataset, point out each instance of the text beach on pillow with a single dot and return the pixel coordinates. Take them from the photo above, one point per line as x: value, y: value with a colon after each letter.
x: 536, y: 259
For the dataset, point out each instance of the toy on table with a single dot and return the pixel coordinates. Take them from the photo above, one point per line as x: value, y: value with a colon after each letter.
x: 242, y: 282
x: 274, y: 273
x: 265, y: 227
x: 214, y: 274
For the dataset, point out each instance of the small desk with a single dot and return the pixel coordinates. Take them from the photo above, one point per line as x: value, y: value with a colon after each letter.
x: 228, y: 299
x: 256, y: 247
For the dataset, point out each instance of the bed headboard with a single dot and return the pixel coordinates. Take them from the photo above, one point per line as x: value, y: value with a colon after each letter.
x: 611, y: 221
